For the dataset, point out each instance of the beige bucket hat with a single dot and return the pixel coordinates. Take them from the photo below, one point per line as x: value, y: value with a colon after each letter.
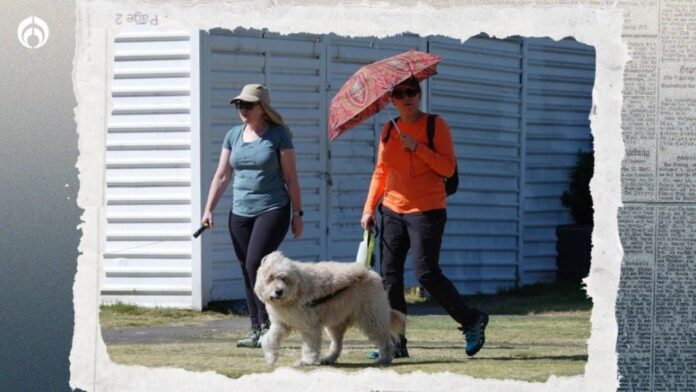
x: 259, y: 93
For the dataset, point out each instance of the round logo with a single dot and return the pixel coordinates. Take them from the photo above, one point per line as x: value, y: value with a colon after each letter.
x: 32, y: 32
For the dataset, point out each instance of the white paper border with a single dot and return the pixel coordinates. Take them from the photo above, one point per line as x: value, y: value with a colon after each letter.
x: 91, y: 368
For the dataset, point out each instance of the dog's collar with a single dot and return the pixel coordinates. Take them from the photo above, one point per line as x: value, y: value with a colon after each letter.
x: 327, y: 298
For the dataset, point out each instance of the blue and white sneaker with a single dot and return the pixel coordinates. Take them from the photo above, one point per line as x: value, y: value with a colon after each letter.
x: 400, y: 350
x: 475, y: 334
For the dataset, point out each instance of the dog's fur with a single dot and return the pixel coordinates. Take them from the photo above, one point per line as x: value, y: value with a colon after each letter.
x: 288, y: 287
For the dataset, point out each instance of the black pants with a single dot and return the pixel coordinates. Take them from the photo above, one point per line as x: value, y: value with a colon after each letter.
x: 253, y: 238
x: 422, y: 233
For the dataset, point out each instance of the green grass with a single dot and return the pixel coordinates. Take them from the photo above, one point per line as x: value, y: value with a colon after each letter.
x: 533, y: 333
x: 126, y: 316
x: 529, y: 348
x: 537, y: 298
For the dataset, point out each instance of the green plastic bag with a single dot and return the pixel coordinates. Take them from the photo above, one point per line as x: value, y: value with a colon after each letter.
x: 366, y: 249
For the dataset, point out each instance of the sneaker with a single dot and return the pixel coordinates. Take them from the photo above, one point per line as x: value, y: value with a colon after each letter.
x: 475, y: 334
x: 400, y: 350
x: 252, y: 340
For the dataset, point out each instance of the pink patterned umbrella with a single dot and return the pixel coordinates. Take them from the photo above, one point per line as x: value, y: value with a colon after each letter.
x: 367, y: 91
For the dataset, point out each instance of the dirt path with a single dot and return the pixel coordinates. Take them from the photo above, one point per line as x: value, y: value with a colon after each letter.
x: 167, y: 334
x: 184, y: 334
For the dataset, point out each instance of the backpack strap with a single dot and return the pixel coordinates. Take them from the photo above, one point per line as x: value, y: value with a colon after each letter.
x: 389, y: 128
x: 431, y: 130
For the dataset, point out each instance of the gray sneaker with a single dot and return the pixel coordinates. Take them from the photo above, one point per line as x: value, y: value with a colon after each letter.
x: 252, y: 340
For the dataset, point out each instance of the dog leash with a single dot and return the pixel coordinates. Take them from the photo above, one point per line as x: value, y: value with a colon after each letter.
x: 135, y: 247
x: 198, y: 232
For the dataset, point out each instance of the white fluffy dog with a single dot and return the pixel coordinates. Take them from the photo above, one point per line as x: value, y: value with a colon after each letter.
x: 333, y: 295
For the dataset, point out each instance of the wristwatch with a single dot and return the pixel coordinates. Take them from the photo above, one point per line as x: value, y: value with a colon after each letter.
x: 299, y: 213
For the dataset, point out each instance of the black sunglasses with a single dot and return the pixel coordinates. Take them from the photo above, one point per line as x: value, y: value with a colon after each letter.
x: 244, y: 105
x: 405, y: 92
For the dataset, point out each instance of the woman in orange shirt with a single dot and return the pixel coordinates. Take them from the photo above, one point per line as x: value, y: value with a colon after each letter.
x: 408, y: 178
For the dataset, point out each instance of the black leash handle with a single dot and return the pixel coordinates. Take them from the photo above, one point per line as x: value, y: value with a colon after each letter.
x: 374, y: 228
x: 200, y: 230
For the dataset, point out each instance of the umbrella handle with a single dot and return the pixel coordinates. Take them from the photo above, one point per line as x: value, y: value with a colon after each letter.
x: 396, y: 127
x: 391, y: 118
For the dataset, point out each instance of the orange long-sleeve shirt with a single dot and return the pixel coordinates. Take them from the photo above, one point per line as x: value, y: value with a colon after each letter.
x: 412, y: 181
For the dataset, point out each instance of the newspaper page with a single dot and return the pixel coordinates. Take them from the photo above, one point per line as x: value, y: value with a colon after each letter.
x: 654, y: 311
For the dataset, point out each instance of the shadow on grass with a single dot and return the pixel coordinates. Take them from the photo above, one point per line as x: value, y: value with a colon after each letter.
x: 434, y: 346
x: 412, y: 362
x: 393, y: 364
x: 537, y: 298
x: 236, y: 306
x: 535, y: 358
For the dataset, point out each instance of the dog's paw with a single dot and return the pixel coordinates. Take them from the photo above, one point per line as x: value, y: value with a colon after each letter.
x: 270, y: 358
x: 263, y: 339
x: 303, y: 362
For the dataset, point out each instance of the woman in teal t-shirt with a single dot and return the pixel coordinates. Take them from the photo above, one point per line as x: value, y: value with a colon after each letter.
x: 265, y: 189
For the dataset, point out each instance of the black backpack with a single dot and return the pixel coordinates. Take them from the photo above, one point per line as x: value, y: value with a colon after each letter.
x: 451, y: 183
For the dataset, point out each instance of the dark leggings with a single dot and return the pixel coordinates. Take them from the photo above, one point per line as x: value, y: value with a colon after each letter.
x: 253, y: 238
x: 422, y: 233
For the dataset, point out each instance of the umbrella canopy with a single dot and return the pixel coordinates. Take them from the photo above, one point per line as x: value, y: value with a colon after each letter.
x: 367, y: 91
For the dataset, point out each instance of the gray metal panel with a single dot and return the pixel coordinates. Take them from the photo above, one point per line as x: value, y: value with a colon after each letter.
x: 558, y: 103
x: 147, y: 254
x: 290, y: 67
x: 477, y: 92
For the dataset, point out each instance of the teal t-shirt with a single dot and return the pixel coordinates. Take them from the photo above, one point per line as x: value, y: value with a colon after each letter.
x: 258, y: 184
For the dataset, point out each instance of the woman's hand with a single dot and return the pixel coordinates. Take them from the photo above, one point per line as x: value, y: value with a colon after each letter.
x: 297, y: 225
x: 207, y: 219
x: 288, y: 166
x: 408, y: 142
x: 367, y: 220
x: 217, y: 186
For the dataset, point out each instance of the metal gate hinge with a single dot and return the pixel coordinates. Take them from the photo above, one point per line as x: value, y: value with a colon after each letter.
x: 327, y: 177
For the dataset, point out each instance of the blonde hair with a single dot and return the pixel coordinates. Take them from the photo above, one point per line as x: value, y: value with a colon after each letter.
x: 275, y: 118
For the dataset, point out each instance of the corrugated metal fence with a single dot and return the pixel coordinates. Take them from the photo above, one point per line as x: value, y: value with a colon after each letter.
x: 148, y: 253
x: 558, y: 79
